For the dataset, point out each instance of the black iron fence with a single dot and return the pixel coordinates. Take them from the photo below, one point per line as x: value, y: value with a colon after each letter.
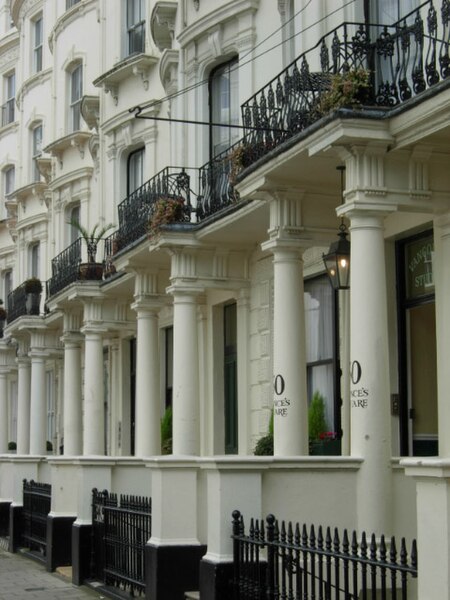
x: 36, y: 506
x: 217, y: 180
x: 401, y: 60
x: 65, y: 268
x: 274, y: 562
x: 121, y: 528
x: 20, y: 303
x: 164, y: 199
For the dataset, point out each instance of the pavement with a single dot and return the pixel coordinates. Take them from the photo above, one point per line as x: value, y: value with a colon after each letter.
x: 22, y: 578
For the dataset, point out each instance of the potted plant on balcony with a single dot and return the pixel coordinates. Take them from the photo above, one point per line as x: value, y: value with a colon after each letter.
x: 33, y: 291
x: 91, y: 269
x: 350, y: 89
x: 166, y: 210
x: 2, y: 318
x: 321, y: 441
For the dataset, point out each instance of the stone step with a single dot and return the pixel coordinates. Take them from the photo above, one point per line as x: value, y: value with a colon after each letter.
x: 192, y: 595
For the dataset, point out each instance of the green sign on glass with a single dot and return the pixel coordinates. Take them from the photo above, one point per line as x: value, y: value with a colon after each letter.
x: 419, y: 267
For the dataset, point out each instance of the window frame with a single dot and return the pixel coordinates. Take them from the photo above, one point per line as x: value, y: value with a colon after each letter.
x: 8, y: 108
x: 36, y: 150
x: 8, y: 185
x: 333, y: 360
x: 135, y: 28
x: 75, y: 101
x: 34, y: 252
x: 226, y: 71
x: 38, y: 37
x: 132, y: 178
x: 71, y: 3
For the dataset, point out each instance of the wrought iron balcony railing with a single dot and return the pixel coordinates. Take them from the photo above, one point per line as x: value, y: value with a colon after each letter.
x: 165, y: 198
x: 402, y: 60
x: 65, y: 268
x: 21, y: 303
x: 216, y: 181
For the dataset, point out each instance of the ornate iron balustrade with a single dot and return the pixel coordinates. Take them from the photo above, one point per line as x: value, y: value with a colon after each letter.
x: 65, y: 268
x: 217, y: 179
x: 403, y: 60
x: 165, y: 198
x: 36, y: 506
x: 19, y: 303
x: 274, y: 561
x: 121, y: 528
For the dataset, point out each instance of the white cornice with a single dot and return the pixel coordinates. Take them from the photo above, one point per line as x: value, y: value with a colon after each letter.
x: 202, y: 26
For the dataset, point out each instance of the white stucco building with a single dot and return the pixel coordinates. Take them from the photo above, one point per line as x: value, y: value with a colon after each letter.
x: 209, y: 293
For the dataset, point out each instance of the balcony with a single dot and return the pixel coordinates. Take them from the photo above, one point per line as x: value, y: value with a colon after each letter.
x: 22, y: 302
x: 400, y: 62
x: 164, y: 199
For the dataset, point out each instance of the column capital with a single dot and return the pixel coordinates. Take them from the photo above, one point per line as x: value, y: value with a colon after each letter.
x: 286, y: 246
x: 72, y: 339
x: 373, y: 211
x: 147, y: 304
x: 181, y: 289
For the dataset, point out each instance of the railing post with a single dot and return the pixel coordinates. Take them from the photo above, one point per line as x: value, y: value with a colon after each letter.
x: 237, y: 522
x: 271, y: 557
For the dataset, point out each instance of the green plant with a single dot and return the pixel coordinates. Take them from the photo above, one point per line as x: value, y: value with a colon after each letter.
x: 91, y: 237
x: 346, y: 89
x: 165, y: 211
x: 264, y: 446
x: 33, y: 285
x: 316, y: 417
x: 166, y: 431
x: 12, y: 446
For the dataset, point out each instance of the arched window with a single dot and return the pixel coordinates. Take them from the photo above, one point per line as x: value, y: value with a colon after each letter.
x: 135, y: 170
x: 36, y: 151
x: 224, y: 106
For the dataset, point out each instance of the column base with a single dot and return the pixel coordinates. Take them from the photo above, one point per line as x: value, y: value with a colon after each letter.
x: 216, y: 580
x: 59, y: 542
x: 81, y: 553
x: 4, y: 518
x: 162, y: 562
x: 15, y: 527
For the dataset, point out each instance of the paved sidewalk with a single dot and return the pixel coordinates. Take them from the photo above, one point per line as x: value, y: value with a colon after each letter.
x: 22, y: 578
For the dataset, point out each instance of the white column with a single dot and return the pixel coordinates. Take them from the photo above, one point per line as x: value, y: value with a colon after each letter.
x: 38, y: 404
x: 4, y: 411
x: 289, y: 354
x: 369, y: 371
x: 23, y: 400
x: 72, y: 395
x: 243, y: 374
x: 94, y: 417
x: 185, y: 375
x: 148, y: 405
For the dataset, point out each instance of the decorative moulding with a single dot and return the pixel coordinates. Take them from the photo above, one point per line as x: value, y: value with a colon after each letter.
x: 90, y: 111
x: 162, y: 23
x: 77, y: 139
x: 70, y: 15
x: 137, y: 65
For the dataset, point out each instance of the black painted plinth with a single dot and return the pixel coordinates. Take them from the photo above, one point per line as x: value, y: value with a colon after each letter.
x: 15, y: 527
x: 59, y: 542
x: 4, y: 518
x: 216, y: 580
x: 171, y: 571
x: 81, y: 553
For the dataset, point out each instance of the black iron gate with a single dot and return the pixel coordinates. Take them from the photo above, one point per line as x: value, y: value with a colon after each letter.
x: 36, y: 506
x: 121, y: 527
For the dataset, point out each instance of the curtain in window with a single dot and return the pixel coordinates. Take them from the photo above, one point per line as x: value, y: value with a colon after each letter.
x: 224, y: 102
x: 319, y: 327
